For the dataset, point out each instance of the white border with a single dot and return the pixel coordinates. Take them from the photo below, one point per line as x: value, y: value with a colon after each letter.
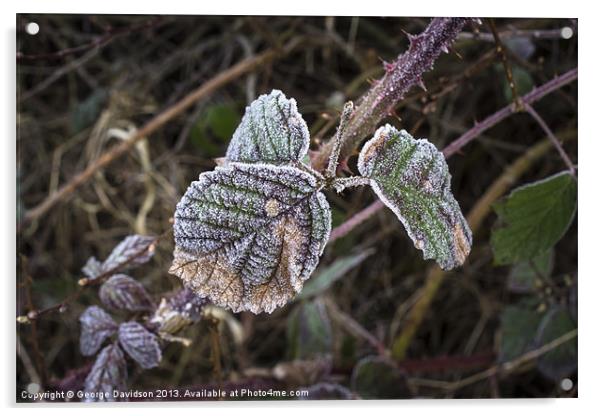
x: 590, y: 150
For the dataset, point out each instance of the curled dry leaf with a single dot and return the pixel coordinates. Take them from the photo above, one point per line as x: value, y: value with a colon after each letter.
x: 97, y: 325
x: 179, y: 311
x: 108, y: 374
x: 140, y: 344
x: 123, y: 292
x: 411, y: 177
x: 248, y: 235
x: 271, y: 131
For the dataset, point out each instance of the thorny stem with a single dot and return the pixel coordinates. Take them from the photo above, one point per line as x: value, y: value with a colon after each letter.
x: 401, y: 75
x: 342, y: 183
x: 552, y: 138
x: 535, y: 95
x: 333, y: 159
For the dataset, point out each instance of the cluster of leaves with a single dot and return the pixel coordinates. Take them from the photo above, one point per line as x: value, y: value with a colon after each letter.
x: 534, y: 218
x: 250, y: 233
x: 139, y: 336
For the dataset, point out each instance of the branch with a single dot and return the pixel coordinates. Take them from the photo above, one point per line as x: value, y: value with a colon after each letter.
x: 455, y: 146
x: 400, y: 76
x: 154, y: 124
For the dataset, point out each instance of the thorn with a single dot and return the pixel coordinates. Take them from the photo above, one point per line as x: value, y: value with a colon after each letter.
x: 394, y: 114
x: 477, y: 21
x: 444, y: 49
x: 411, y: 38
x: 456, y: 53
x: 421, y: 84
x: 388, y: 66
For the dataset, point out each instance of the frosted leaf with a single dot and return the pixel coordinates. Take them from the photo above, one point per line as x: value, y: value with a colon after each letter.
x: 179, y: 311
x: 133, y: 250
x: 97, y: 325
x: 123, y: 292
x: 108, y: 374
x: 140, y: 344
x: 93, y: 268
x: 411, y: 177
x: 271, y: 131
x: 248, y: 235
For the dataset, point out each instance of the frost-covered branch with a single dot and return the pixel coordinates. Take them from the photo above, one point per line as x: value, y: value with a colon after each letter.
x: 401, y: 75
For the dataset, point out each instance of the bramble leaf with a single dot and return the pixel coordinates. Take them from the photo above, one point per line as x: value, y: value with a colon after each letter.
x: 562, y: 360
x: 309, y: 332
x: 524, y: 275
x: 108, y: 374
x: 140, y: 344
x: 93, y: 268
x: 97, y: 325
x: 271, y: 131
x: 518, y: 330
x: 133, y: 250
x: 535, y: 218
x: 123, y: 292
x: 411, y: 177
x: 248, y: 235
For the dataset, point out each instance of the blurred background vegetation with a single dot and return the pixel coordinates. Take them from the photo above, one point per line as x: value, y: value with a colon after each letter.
x: 73, y: 106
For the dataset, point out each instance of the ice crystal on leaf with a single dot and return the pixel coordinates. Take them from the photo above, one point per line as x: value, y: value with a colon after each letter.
x: 140, y: 344
x: 97, y: 325
x: 123, y: 292
x: 108, y: 374
x: 411, y: 177
x: 271, y: 131
x: 248, y: 235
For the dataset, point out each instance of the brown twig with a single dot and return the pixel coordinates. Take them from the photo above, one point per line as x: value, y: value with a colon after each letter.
x: 155, y: 123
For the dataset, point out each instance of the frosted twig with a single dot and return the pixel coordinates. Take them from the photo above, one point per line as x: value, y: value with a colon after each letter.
x: 401, y: 75
x: 341, y: 183
x: 333, y: 159
x: 552, y: 138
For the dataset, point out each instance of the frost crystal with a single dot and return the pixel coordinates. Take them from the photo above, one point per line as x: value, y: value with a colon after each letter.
x: 271, y: 131
x: 108, y: 374
x: 177, y: 312
x: 123, y: 292
x: 411, y: 177
x: 140, y: 344
x: 133, y: 250
x: 97, y: 325
x: 248, y: 235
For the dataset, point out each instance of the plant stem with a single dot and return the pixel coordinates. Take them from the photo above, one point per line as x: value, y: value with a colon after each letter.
x: 402, y: 74
x: 333, y: 160
x: 535, y: 95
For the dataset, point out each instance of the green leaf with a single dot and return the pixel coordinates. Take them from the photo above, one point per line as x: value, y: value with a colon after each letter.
x: 560, y: 362
x: 518, y: 329
x: 411, y: 177
x: 379, y: 378
x: 524, y: 275
x: 309, y: 332
x: 248, y: 235
x: 271, y: 131
x: 214, y: 128
x: 535, y: 217
x: 325, y: 278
